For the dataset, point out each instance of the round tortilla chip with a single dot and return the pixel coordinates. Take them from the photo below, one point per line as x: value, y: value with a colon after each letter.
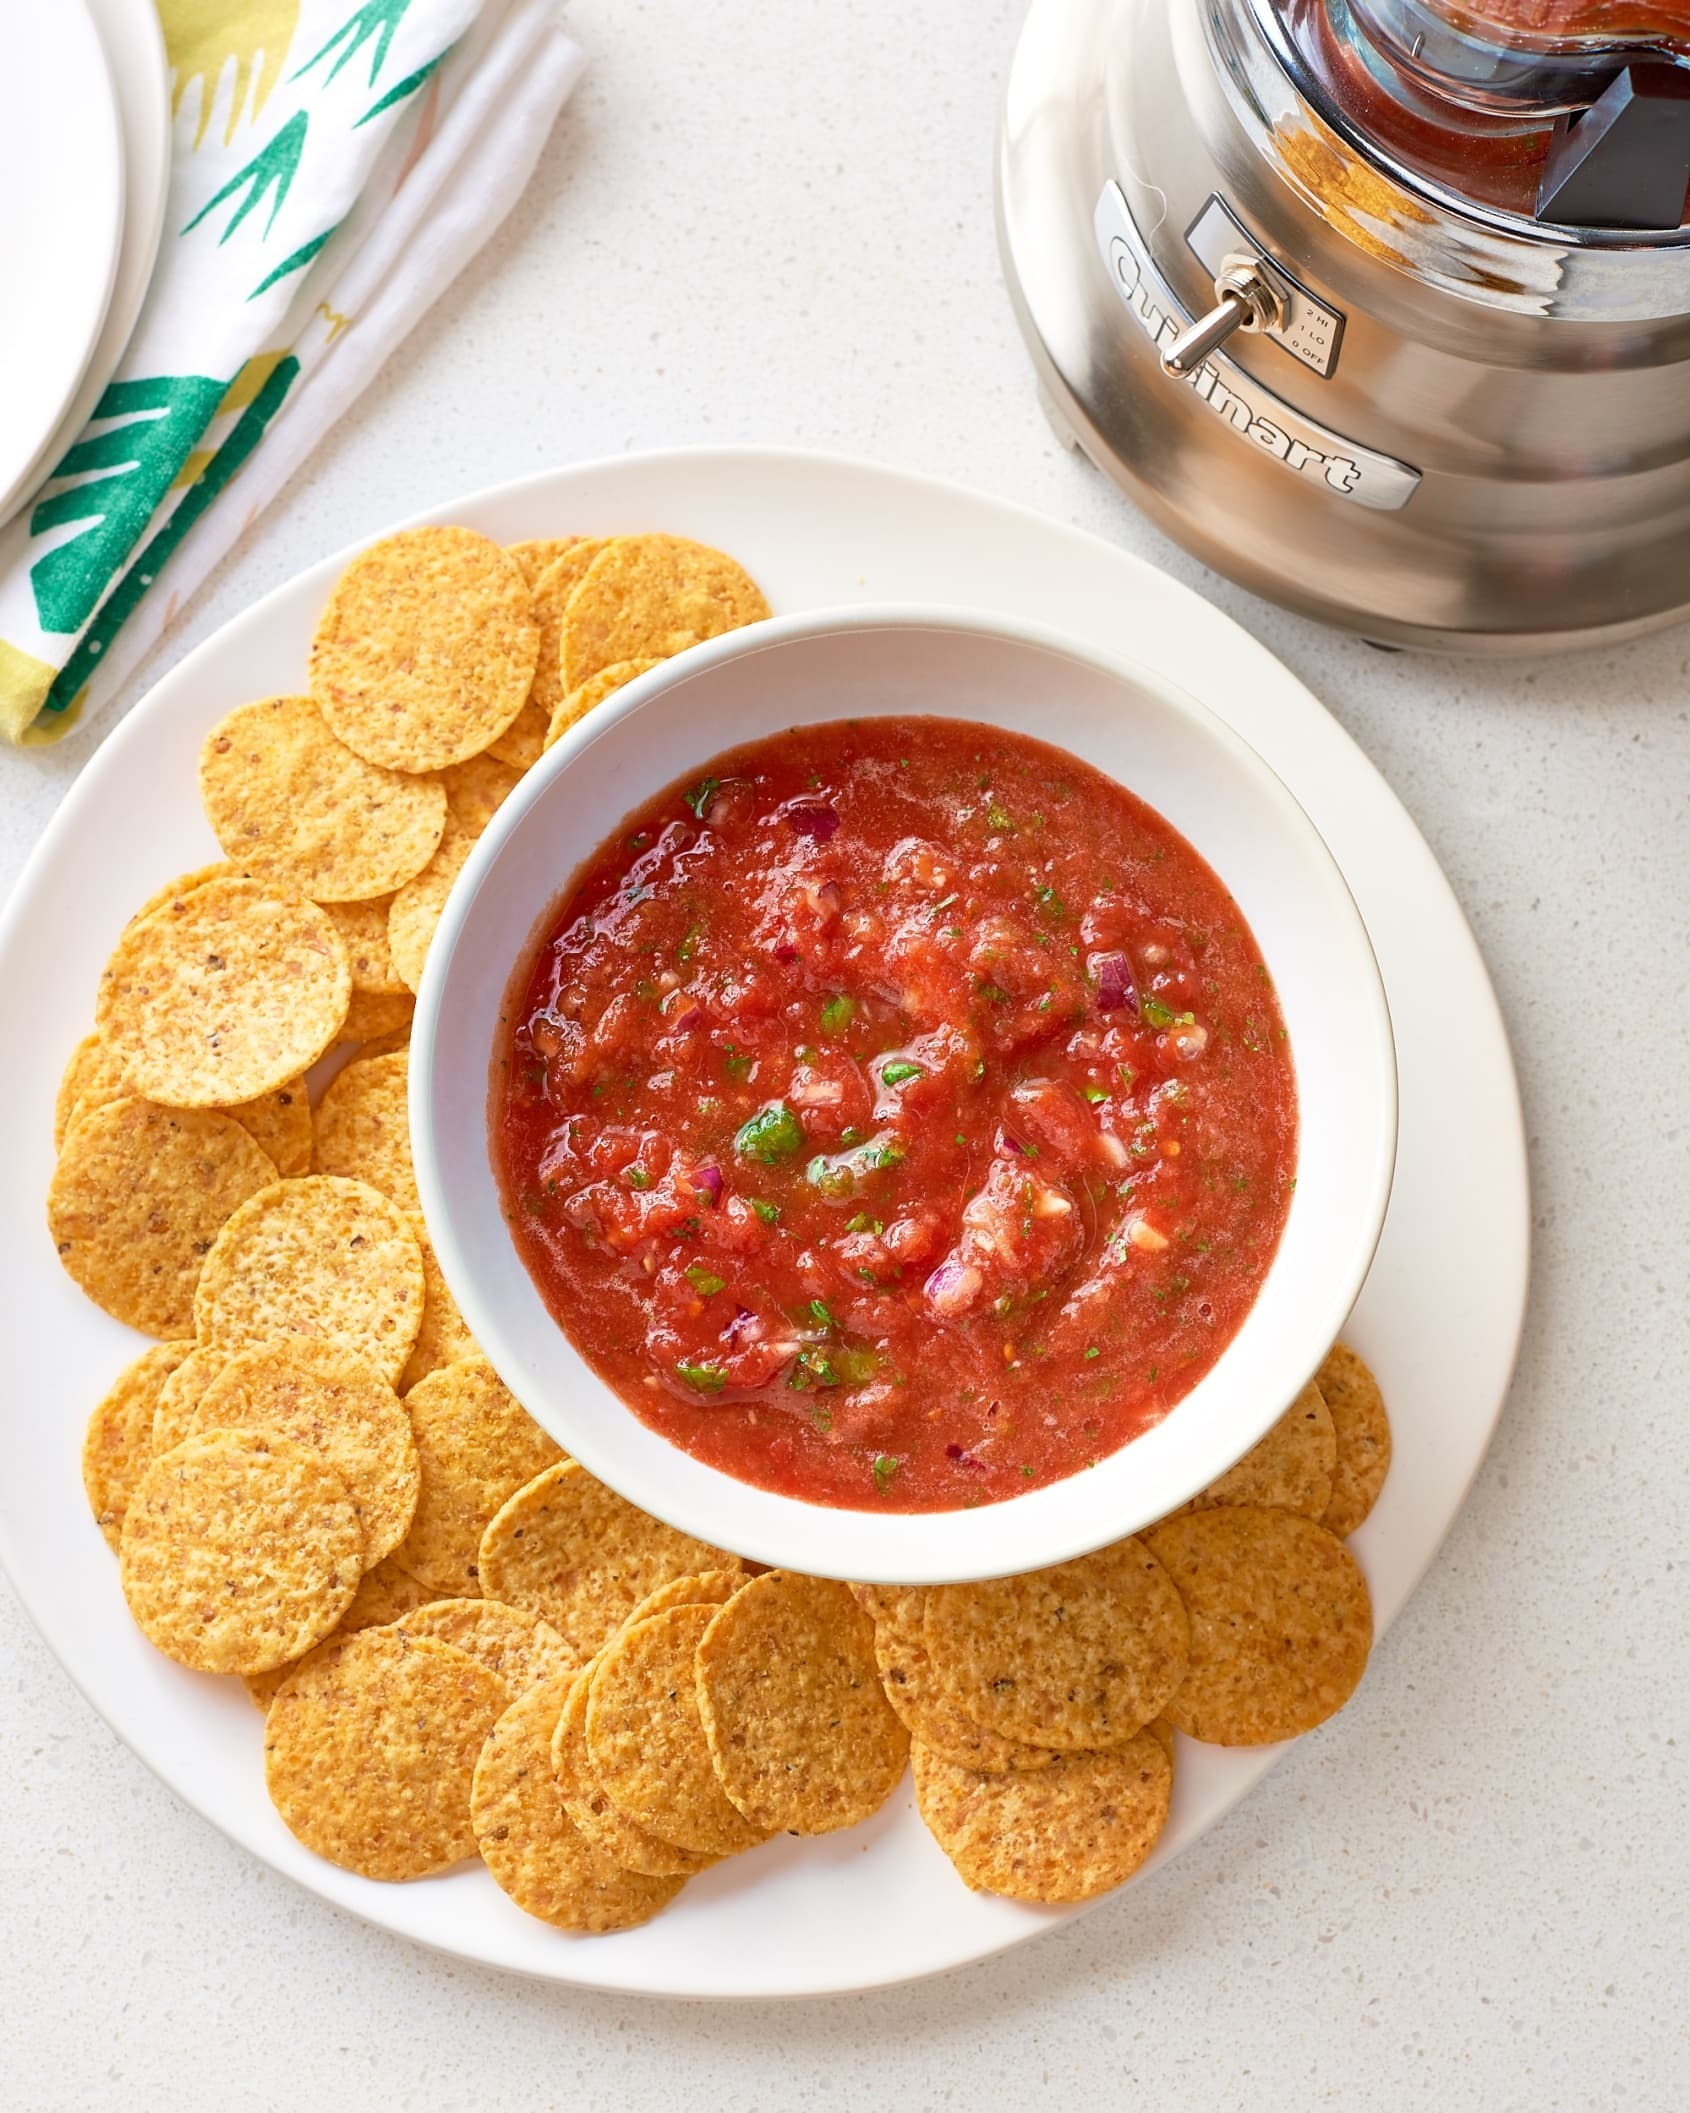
x: 540, y: 551
x: 473, y: 795
x: 478, y: 1445
x: 800, y: 1731
x: 321, y: 1258
x: 597, y: 1816
x: 426, y: 650
x: 551, y: 580
x: 370, y: 1750
x: 117, y: 1448
x: 700, y: 1588
x: 647, y: 597
x: 577, y: 1553
x: 528, y: 1840
x: 294, y: 806
x: 900, y: 1652
x: 1363, y: 1439
x: 1069, y: 1832
x: 518, y: 1646
x: 363, y: 926
x: 363, y: 1128
x: 581, y: 700
x: 137, y: 1199
x: 1288, y: 1470
x: 384, y: 1593
x: 646, y: 1740
x: 240, y: 1551
x: 179, y: 1398
x: 1079, y: 1656
x: 92, y: 1079
x: 443, y: 1339
x: 476, y: 790
x: 224, y: 996
x: 317, y: 1395
x: 1281, y: 1623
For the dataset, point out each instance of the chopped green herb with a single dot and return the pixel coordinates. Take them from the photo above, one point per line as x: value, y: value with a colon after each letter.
x: 703, y: 1379
x: 689, y: 945
x: 737, y: 1066
x: 999, y: 817
x: 699, y: 797
x: 1160, y: 1015
x: 1094, y: 1351
x: 705, y: 1281
x: 768, y: 1212
x: 638, y: 1178
x: 774, y: 1133
x: 960, y: 1138
x: 1095, y: 1094
x: 885, y: 1467
x: 862, y: 1223
x: 850, y: 1135
x: 829, y: 1176
x: 838, y: 1013
x: 822, y: 1417
x: 820, y: 1313
x: 856, y: 1366
x: 895, y: 1074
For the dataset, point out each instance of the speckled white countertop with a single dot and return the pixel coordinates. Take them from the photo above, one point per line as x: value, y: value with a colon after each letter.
x: 766, y: 221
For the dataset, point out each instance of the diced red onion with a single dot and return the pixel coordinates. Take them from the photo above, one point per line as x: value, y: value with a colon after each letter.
x: 1116, y: 990
x: 708, y: 1182
x: 745, y: 1327
x: 685, y: 1022
x: 786, y: 951
x: 814, y: 820
x: 1006, y: 1143
x: 953, y: 1287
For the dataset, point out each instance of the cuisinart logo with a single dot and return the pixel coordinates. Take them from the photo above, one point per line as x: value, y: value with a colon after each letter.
x: 1267, y: 421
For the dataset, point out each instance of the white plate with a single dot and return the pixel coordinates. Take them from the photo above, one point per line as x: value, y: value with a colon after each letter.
x: 61, y: 219
x: 140, y: 74
x: 1439, y: 1319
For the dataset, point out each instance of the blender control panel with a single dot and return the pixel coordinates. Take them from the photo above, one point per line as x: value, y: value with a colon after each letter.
x: 1310, y: 330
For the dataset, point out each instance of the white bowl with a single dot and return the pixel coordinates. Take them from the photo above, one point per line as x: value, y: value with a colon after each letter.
x: 1142, y: 731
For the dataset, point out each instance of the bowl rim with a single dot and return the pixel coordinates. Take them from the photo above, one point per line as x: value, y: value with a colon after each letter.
x: 793, y: 1532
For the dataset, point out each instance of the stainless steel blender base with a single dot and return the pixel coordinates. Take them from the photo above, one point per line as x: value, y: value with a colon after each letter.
x: 1553, y: 508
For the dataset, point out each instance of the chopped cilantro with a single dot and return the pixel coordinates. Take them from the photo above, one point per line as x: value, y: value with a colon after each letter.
x: 774, y: 1133
x: 689, y: 945
x: 768, y: 1212
x: 705, y: 1281
x: 838, y: 1013
x: 1094, y: 1351
x: 699, y: 797
x: 999, y: 817
x: 1160, y: 1015
x: 895, y: 1074
x: 1094, y: 1094
x: 638, y: 1178
x: 703, y: 1379
x: 855, y: 1366
x: 862, y: 1223
x: 819, y: 1312
x: 737, y: 1065
x: 885, y: 1467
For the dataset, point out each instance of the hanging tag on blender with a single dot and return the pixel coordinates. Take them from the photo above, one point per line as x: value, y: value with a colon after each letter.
x: 1265, y: 421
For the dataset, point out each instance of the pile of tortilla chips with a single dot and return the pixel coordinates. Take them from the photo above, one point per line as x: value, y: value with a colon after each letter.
x: 463, y: 1643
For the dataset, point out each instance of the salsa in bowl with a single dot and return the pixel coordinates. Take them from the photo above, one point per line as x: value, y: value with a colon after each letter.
x: 937, y: 1129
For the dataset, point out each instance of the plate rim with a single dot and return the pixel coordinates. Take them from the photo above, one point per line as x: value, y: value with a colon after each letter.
x: 575, y: 1967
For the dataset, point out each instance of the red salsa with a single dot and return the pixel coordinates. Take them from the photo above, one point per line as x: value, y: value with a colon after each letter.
x: 897, y: 1114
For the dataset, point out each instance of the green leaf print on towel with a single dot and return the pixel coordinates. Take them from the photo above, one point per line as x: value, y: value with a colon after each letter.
x: 376, y: 18
x: 276, y: 163
x: 162, y: 418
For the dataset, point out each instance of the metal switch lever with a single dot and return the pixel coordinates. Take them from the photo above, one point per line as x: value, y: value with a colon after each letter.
x: 1244, y: 300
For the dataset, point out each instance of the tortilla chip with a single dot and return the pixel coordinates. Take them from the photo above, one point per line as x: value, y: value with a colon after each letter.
x: 581, y: 1556
x: 384, y: 1593
x: 370, y: 1750
x: 1079, y: 1656
x: 531, y: 1845
x: 799, y: 1728
x: 1069, y: 1832
x: 179, y: 1398
x: 647, y: 1741
x: 118, y: 1446
x: 377, y: 1022
x: 1362, y: 1436
x: 647, y: 597
x: 701, y: 1588
x: 478, y: 1446
x: 900, y: 1652
x: 240, y: 1551
x: 321, y: 1258
x: 363, y: 926
x: 363, y: 1128
x: 139, y: 1195
x: 519, y: 1647
x: 293, y: 806
x: 317, y: 1395
x: 474, y: 794
x: 443, y: 1339
x: 92, y: 1079
x: 1281, y: 1623
x: 1288, y: 1470
x: 224, y: 996
x: 596, y: 1815
x: 183, y: 885
x: 426, y: 650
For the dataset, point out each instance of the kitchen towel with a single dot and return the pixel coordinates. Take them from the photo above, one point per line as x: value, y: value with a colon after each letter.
x: 335, y: 165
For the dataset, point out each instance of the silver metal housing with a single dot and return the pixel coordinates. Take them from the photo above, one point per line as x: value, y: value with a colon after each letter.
x: 1474, y: 431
